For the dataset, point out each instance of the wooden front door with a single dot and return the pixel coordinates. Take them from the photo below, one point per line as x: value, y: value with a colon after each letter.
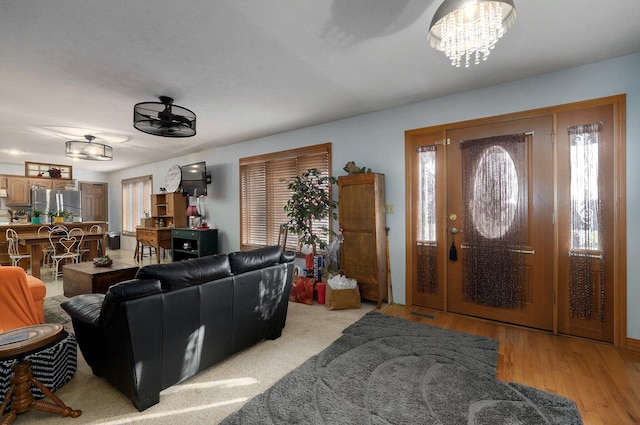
x: 506, y: 189
x: 567, y: 186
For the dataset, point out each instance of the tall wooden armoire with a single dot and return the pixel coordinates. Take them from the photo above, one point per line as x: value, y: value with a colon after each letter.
x: 361, y: 214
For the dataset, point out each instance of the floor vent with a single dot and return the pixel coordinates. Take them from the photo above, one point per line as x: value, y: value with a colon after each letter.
x: 426, y: 316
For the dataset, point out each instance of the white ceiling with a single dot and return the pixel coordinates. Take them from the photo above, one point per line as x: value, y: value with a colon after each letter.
x: 251, y: 68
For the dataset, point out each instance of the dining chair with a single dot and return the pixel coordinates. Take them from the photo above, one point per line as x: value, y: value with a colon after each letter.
x: 96, y: 228
x: 64, y: 246
x: 47, y: 251
x: 14, y: 248
x: 282, y: 236
x: 81, y: 248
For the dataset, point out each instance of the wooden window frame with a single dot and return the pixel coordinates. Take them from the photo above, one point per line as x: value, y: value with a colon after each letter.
x: 263, y: 193
x: 142, y: 200
x: 37, y: 169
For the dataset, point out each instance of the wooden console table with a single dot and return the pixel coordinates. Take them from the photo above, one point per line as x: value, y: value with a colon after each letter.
x: 157, y: 237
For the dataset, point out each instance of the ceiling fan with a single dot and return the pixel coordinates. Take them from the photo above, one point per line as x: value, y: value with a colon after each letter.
x: 164, y: 118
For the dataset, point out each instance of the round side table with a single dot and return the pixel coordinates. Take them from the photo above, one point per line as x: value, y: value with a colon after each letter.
x: 19, y: 342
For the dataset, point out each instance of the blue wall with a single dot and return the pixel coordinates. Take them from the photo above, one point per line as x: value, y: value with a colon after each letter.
x: 376, y: 140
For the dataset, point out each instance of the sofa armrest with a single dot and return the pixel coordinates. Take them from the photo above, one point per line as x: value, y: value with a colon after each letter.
x: 287, y: 256
x: 126, y: 290
x: 85, y: 307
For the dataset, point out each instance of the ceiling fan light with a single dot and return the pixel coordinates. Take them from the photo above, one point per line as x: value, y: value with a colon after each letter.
x: 466, y: 28
x: 164, y: 118
x: 89, y: 150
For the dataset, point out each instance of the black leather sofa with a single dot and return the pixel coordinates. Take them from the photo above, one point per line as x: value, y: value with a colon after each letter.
x: 175, y: 320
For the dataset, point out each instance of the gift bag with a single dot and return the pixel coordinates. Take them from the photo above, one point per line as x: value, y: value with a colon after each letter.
x: 302, y: 290
x: 342, y: 293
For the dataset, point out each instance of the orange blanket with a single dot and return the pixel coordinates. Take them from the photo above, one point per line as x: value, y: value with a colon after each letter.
x: 17, y: 305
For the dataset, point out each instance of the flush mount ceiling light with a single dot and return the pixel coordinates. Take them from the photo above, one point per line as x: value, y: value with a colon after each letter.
x: 470, y: 28
x: 164, y: 118
x: 90, y: 150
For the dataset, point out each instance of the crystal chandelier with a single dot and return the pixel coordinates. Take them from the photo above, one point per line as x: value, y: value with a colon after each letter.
x: 466, y: 28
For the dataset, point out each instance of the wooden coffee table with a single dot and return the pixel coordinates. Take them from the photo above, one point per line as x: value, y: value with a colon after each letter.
x: 19, y: 342
x: 85, y: 278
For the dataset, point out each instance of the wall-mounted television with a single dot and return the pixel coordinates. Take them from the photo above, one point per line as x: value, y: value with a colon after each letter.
x: 194, y: 179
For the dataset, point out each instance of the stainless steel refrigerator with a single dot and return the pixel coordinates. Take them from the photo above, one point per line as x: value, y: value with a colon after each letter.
x: 57, y: 200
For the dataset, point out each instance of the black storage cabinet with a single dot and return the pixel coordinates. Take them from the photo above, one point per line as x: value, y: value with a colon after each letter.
x: 193, y: 243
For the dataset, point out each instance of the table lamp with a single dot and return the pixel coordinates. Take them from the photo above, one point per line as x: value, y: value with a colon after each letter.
x: 192, y: 213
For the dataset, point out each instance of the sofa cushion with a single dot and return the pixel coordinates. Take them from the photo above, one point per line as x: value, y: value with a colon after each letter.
x: 187, y: 273
x: 246, y: 261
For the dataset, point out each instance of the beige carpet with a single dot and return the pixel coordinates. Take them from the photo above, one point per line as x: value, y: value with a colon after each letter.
x: 210, y: 396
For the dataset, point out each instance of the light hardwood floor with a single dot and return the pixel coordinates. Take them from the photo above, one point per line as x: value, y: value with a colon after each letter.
x: 603, y: 381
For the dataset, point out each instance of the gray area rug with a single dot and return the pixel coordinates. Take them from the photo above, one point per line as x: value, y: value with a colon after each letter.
x: 53, y: 313
x: 387, y: 370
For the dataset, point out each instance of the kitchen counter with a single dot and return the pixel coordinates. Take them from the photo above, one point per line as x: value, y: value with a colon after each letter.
x: 5, y: 225
x: 33, y: 228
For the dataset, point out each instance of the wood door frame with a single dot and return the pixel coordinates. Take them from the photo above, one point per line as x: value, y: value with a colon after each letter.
x: 618, y: 103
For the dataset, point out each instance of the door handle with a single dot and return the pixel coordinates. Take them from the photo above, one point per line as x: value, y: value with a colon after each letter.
x: 453, y: 230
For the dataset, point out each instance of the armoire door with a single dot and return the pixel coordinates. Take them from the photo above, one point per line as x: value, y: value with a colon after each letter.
x: 363, y: 251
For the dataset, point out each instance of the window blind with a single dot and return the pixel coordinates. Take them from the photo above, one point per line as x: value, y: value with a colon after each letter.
x: 264, y: 193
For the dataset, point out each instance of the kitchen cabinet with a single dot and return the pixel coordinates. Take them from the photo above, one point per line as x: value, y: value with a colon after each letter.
x: 19, y: 188
x: 193, y: 243
x: 363, y: 252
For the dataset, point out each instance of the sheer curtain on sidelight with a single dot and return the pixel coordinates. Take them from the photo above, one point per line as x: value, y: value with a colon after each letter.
x: 427, y: 261
x: 586, y: 252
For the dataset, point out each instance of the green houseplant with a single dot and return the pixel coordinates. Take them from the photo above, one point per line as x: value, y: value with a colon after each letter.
x: 58, y: 216
x: 35, y: 216
x: 310, y: 201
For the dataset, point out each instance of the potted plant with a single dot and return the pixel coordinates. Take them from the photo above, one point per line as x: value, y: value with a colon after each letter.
x: 59, y: 216
x: 311, y: 200
x: 54, y: 173
x: 35, y: 216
